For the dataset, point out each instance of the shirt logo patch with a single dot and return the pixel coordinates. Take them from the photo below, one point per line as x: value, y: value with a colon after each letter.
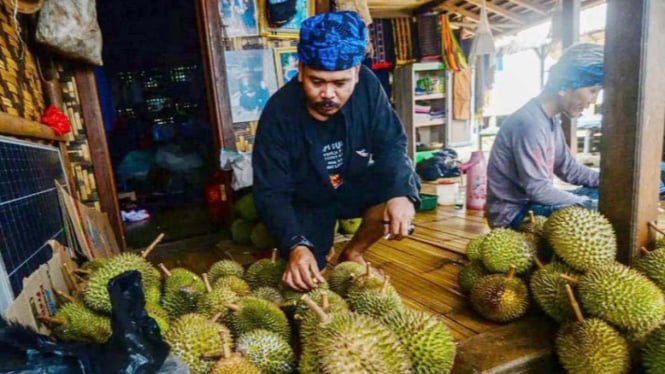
x: 362, y: 153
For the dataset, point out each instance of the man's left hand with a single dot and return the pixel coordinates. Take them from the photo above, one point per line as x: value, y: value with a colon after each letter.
x: 398, y: 214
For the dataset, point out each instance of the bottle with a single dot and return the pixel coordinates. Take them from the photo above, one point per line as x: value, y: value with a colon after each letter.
x: 476, y: 181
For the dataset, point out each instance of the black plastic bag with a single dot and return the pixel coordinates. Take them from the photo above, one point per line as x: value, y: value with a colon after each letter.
x: 442, y: 164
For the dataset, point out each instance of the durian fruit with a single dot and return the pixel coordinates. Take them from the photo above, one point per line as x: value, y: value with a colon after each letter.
x: 261, y: 238
x: 161, y: 317
x: 621, y: 296
x: 340, y: 276
x: 153, y: 295
x: 469, y: 274
x: 267, y: 350
x: 533, y: 227
x: 308, y: 363
x: 75, y: 322
x: 236, y: 284
x: 373, y: 295
x: 653, y: 352
x: 504, y: 247
x: 266, y: 272
x: 474, y: 248
x: 291, y: 296
x: 350, y: 226
x: 499, y: 297
x: 195, y: 339
x: 182, y: 290
x: 96, y: 295
x: 349, y: 342
x: 308, y: 320
x: 241, y: 231
x: 428, y: 341
x: 234, y: 363
x: 549, y: 290
x: 246, y: 209
x: 268, y: 293
x: 584, y: 239
x: 589, y: 346
x: 225, y: 268
x: 94, y: 265
x: 214, y: 301
x: 252, y: 314
x: 652, y: 264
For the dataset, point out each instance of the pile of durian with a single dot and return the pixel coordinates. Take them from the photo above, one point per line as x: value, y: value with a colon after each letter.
x: 236, y: 320
x: 551, y: 264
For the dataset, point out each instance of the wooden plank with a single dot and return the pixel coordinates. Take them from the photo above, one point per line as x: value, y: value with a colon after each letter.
x: 633, y: 120
x: 570, y: 31
x: 25, y: 128
x: 96, y: 134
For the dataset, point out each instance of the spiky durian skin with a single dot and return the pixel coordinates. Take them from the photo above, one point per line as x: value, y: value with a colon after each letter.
x: 290, y: 295
x: 339, y: 277
x: 503, y: 248
x: 153, y: 295
x: 179, y: 278
x: 236, y: 364
x: 370, y: 296
x: 622, y: 297
x: 192, y: 336
x: 584, y: 239
x: 309, y: 363
x: 428, y: 341
x: 182, y: 291
x: 469, y: 274
x: 96, y: 295
x: 500, y: 299
x: 653, y: 266
x: 268, y: 293
x: 225, y: 268
x: 82, y: 324
x: 94, y: 265
x: 355, y: 343
x: 266, y: 273
x: 590, y: 347
x: 474, y: 248
x: 653, y: 351
x: 308, y: 321
x: 549, y: 290
x: 268, y: 351
x: 236, y: 284
x: 213, y: 302
x: 535, y: 227
x: 156, y: 312
x: 258, y: 314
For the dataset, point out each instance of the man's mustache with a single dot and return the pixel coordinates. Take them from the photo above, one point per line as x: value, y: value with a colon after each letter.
x: 325, y: 103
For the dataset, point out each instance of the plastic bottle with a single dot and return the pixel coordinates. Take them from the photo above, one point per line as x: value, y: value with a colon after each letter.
x: 476, y: 181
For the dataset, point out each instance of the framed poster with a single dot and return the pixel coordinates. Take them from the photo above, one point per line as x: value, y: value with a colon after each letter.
x: 239, y: 17
x: 286, y: 64
x: 291, y: 29
x: 251, y: 81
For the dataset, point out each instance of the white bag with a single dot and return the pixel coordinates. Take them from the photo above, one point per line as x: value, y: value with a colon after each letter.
x: 241, y: 164
x: 70, y: 27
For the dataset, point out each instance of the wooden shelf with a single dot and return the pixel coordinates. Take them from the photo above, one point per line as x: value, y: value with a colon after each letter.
x: 434, y: 96
x: 436, y: 122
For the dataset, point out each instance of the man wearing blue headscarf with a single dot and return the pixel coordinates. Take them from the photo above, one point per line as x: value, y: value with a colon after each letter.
x: 328, y: 146
x: 530, y: 148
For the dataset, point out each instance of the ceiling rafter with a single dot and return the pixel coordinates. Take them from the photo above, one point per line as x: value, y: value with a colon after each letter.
x: 530, y: 5
x: 491, y: 7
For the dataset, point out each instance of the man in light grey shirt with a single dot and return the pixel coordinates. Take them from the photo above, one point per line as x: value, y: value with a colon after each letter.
x: 530, y: 148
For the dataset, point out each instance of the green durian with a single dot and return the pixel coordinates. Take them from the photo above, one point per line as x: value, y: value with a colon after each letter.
x: 652, y: 264
x: 503, y: 248
x: 549, y: 290
x: 474, y: 248
x: 653, y: 351
x: 268, y: 293
x: 469, y: 274
x: 268, y: 351
x: 75, y: 322
x: 340, y: 276
x: 373, y: 295
x: 236, y: 284
x: 225, y: 268
x: 499, y: 297
x: 214, y: 302
x: 252, y: 313
x: 266, y: 272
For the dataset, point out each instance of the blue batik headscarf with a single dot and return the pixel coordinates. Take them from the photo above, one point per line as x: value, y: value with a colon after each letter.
x: 333, y: 41
x: 581, y: 65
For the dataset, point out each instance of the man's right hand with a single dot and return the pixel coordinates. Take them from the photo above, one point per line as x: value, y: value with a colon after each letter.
x: 301, y: 270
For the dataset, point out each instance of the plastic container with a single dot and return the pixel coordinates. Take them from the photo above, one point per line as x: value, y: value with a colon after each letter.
x: 446, y: 191
x: 428, y: 202
x: 476, y: 181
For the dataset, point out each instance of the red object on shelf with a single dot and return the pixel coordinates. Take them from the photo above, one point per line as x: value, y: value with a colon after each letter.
x: 218, y: 196
x: 57, y: 120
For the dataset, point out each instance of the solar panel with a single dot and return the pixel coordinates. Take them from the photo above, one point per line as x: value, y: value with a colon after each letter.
x: 30, y: 212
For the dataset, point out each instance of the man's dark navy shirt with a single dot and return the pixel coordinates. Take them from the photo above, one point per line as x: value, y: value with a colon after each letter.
x: 292, y: 189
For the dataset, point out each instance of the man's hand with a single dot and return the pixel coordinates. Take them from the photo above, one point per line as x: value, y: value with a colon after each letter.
x: 301, y: 270
x: 399, y: 213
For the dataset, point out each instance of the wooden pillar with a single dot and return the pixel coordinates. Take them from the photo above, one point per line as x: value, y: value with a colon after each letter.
x: 633, y: 119
x: 570, y: 31
x: 96, y: 134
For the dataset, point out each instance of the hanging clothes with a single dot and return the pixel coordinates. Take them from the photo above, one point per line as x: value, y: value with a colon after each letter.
x: 381, y: 37
x: 462, y: 94
x: 403, y: 40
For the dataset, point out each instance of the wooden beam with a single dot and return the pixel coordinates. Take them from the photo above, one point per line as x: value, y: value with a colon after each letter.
x: 531, y: 6
x: 99, y: 151
x: 570, y: 31
x: 471, y: 16
x: 633, y: 120
x: 25, y: 128
x: 491, y: 7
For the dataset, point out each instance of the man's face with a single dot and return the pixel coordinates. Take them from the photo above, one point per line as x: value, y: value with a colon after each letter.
x: 327, y: 91
x: 575, y: 101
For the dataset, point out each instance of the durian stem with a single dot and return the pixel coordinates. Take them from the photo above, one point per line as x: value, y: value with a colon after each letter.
x: 226, y: 350
x: 206, y: 282
x: 655, y: 227
x: 325, y: 303
x: 82, y: 271
x: 532, y: 217
x: 216, y: 317
x: 65, y: 296
x: 384, y: 287
x: 297, y: 317
x: 574, y: 304
x: 78, y: 277
x: 511, y: 272
x: 213, y: 356
x: 51, y: 321
x: 164, y: 270
x: 273, y: 256
x: 152, y: 246
x: 368, y: 269
x: 539, y: 263
x: 234, y: 307
x: 323, y: 317
x: 644, y: 251
x: 568, y: 278
x: 287, y: 304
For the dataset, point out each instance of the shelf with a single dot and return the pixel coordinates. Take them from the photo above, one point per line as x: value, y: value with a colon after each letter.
x: 436, y: 122
x: 433, y: 96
